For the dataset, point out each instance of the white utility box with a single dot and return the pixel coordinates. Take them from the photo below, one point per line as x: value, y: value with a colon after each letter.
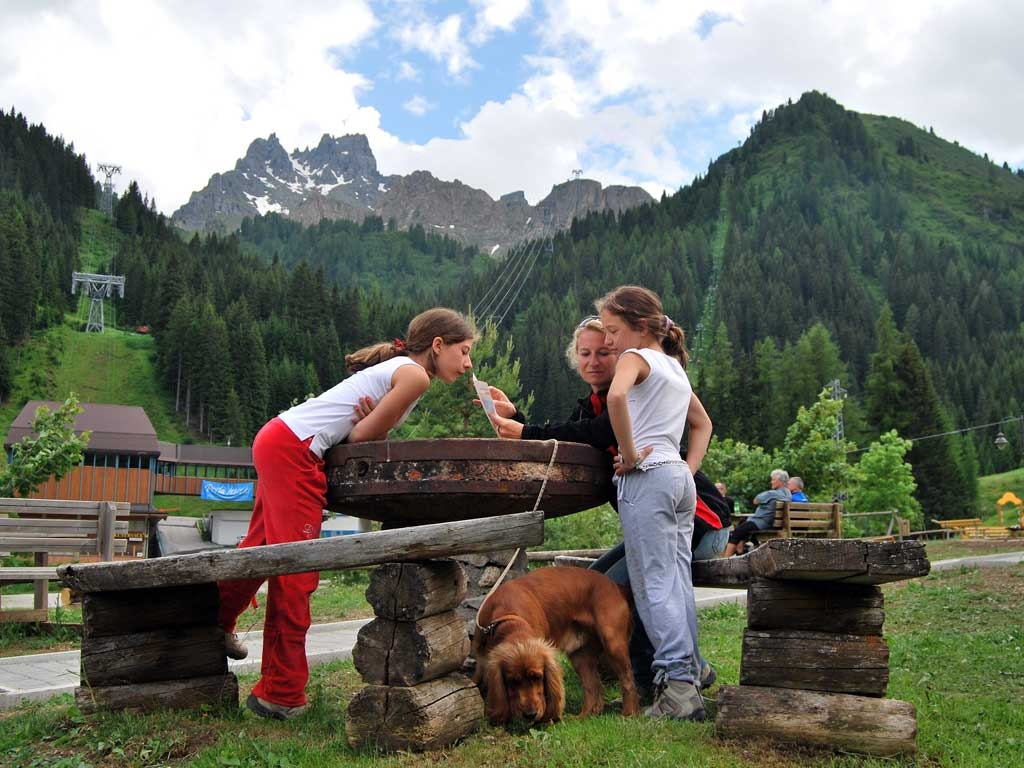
x: 229, y: 526
x: 339, y: 525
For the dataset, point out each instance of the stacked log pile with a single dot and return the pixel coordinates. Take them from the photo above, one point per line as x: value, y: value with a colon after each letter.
x: 815, y: 665
x: 409, y: 656
x: 156, y: 648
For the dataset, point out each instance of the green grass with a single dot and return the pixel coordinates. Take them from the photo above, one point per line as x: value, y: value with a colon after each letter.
x: 100, y: 240
x: 193, y: 506
x: 113, y: 367
x: 990, y: 490
x: 953, y: 637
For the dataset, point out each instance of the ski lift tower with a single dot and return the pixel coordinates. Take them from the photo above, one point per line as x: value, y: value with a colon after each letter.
x: 109, y: 170
x: 97, y: 288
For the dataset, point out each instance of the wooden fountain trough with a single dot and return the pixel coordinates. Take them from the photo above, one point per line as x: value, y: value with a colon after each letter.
x: 413, y: 482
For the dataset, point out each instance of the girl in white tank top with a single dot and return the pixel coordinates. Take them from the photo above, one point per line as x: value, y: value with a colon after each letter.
x: 649, y: 402
x: 291, y: 492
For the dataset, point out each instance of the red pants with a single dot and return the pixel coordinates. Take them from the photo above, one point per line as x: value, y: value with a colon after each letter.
x: 290, y: 498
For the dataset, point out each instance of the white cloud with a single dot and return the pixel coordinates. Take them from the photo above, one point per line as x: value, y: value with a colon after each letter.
x: 407, y: 71
x: 418, y: 106
x: 496, y: 15
x: 174, y: 93
x: 631, y: 92
x: 441, y: 41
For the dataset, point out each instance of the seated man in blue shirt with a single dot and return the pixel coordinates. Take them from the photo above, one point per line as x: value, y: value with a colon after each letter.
x: 796, y: 488
x: 764, y: 515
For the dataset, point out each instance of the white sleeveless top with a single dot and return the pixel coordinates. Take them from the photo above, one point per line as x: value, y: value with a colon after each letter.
x: 327, y: 418
x: 658, y: 406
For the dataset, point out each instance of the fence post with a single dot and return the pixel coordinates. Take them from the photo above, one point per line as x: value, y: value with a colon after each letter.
x: 105, y: 530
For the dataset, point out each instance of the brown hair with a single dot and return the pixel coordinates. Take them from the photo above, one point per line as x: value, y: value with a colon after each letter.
x: 451, y: 326
x: 588, y: 324
x: 640, y: 308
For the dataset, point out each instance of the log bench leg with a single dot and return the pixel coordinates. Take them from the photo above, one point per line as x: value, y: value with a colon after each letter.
x: 154, y: 649
x: 409, y: 656
x: 814, y: 668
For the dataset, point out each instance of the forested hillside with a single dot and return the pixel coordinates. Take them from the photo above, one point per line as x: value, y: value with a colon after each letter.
x: 43, y: 186
x: 829, y: 247
x: 784, y: 255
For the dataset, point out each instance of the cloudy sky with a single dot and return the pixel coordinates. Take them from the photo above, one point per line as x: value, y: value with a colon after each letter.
x: 503, y: 94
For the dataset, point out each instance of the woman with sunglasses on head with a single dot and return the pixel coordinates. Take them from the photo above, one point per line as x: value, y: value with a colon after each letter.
x: 594, y: 361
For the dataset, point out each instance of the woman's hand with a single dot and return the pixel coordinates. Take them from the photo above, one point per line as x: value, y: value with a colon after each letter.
x: 502, y: 405
x: 622, y: 466
x: 507, y: 428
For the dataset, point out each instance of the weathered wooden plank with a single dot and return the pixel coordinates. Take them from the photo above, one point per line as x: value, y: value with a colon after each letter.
x: 727, y: 572
x: 25, y: 615
x: 57, y: 506
x: 815, y: 661
x: 856, y: 562
x: 568, y: 561
x: 830, y: 720
x: 823, y: 607
x: 426, y: 716
x: 23, y: 526
x: 336, y: 552
x: 896, y: 560
x: 216, y: 690
x: 23, y: 573
x: 408, y: 653
x: 410, y: 591
x: 129, y: 611
x: 145, y: 657
x: 48, y: 543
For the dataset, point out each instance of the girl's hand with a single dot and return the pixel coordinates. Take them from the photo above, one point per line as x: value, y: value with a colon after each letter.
x: 507, y: 428
x: 363, y: 408
x: 623, y: 467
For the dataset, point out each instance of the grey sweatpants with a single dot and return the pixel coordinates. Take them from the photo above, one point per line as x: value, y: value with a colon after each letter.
x: 656, y: 509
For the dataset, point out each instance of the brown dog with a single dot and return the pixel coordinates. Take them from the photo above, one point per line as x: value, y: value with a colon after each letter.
x: 520, y: 626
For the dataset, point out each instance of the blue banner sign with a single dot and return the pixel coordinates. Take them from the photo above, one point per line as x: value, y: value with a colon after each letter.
x: 226, y: 491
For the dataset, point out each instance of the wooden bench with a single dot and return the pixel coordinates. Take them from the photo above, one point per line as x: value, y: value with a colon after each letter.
x: 150, y: 637
x: 43, y: 527
x: 992, y: 532
x: 960, y: 525
x: 805, y: 519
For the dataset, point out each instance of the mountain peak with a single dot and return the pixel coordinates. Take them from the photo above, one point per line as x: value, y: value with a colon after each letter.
x: 339, y: 178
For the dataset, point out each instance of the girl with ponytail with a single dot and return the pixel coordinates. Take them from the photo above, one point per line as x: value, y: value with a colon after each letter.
x: 650, y: 401
x: 292, y: 490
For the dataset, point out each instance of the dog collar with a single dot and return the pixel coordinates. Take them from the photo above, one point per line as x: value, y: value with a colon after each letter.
x: 490, y: 628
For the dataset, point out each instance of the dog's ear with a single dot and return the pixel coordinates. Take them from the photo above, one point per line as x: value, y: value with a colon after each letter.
x: 554, y: 686
x: 497, y: 695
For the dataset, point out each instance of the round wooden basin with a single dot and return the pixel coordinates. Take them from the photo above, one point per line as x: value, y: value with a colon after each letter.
x: 413, y: 482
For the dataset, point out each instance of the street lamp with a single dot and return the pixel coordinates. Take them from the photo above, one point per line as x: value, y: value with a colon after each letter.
x: 1001, y: 442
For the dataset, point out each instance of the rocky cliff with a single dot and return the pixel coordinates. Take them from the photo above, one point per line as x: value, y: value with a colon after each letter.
x: 339, y: 179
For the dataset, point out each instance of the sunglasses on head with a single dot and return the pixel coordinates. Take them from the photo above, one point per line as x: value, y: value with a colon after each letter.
x: 588, y: 320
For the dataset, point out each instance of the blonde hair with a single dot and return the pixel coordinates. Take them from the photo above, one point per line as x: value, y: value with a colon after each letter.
x: 588, y: 324
x: 450, y: 325
x: 640, y: 308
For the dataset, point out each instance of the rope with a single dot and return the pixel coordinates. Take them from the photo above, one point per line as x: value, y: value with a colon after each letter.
x: 536, y: 506
x: 554, y: 453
